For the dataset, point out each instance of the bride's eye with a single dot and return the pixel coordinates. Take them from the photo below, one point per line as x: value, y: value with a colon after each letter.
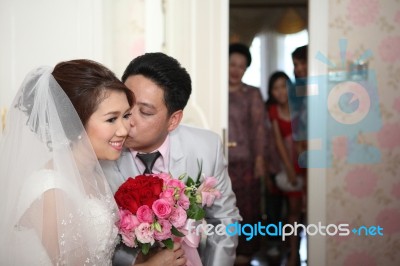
x: 127, y: 115
x: 111, y: 120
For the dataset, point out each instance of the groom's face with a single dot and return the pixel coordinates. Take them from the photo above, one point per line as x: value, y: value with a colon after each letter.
x: 150, y: 120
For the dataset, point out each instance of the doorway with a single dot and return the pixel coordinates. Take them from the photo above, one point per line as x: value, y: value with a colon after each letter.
x: 273, y: 30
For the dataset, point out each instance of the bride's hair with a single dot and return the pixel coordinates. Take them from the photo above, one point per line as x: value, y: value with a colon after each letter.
x: 86, y: 84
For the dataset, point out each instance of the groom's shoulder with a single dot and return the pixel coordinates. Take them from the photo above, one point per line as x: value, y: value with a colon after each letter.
x: 195, y: 134
x: 125, y: 154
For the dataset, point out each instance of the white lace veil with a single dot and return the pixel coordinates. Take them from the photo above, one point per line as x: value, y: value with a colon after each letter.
x: 51, y: 181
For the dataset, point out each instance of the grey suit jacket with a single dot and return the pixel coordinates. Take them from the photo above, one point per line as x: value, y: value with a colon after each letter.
x: 188, y: 145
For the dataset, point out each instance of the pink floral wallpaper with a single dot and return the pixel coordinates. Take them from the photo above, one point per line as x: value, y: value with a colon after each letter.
x: 368, y: 194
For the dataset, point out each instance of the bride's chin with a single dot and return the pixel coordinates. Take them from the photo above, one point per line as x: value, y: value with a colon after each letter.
x: 113, y: 157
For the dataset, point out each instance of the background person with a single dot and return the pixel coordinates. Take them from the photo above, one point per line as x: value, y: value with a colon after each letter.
x: 279, y: 113
x: 246, y: 156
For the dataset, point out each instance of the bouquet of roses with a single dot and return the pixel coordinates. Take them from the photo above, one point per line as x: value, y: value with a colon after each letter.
x: 154, y: 209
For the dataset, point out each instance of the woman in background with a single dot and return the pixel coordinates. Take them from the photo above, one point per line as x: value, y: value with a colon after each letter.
x: 246, y: 153
x: 278, y: 110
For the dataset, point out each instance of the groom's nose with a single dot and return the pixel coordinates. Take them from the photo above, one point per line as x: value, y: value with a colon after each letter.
x: 132, y: 119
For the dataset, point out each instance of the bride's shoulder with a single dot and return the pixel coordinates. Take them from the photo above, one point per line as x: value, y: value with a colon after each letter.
x: 40, y: 181
x: 34, y: 186
x: 46, y: 178
x: 43, y: 173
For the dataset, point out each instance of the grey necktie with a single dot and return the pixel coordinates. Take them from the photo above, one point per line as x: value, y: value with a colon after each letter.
x: 148, y: 160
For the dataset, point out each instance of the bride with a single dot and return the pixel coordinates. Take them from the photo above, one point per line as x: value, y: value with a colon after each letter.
x: 55, y: 203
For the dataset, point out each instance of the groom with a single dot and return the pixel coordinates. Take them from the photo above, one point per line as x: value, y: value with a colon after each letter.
x: 162, y: 89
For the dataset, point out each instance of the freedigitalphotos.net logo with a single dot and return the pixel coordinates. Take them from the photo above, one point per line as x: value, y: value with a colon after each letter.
x: 284, y: 230
x: 343, y: 102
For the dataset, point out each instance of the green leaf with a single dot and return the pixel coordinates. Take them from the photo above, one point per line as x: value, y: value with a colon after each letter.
x: 200, y: 164
x: 145, y: 248
x: 195, y: 212
x: 189, y: 182
x: 157, y: 226
x: 193, y: 200
x: 175, y: 232
x: 168, y: 243
x: 198, y: 199
x: 182, y: 176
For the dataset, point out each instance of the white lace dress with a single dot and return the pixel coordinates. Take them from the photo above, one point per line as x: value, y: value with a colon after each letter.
x: 88, y: 234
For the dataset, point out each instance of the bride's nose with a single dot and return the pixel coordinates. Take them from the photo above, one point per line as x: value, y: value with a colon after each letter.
x: 123, y: 129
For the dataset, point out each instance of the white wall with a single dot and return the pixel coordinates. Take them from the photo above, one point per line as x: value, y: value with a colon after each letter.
x: 44, y: 32
x: 113, y: 32
x: 197, y: 35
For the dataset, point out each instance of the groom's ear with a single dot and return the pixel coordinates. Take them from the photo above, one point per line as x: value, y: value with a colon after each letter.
x: 174, y: 120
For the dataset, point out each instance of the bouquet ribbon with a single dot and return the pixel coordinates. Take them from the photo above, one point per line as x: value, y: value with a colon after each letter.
x: 190, y: 243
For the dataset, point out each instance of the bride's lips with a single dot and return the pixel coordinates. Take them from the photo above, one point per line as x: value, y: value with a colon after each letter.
x: 117, y: 145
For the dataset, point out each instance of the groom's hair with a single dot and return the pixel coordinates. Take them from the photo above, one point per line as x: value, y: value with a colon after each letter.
x: 167, y: 73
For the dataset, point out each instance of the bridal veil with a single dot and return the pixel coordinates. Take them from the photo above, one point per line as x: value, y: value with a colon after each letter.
x: 55, y: 204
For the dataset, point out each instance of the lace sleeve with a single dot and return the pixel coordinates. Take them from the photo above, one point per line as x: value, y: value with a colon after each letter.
x: 42, y: 194
x: 86, y: 230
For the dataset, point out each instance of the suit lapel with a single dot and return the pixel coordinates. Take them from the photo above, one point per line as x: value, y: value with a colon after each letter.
x: 127, y: 165
x: 177, y: 162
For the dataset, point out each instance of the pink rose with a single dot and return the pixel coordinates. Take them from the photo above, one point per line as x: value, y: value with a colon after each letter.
x: 145, y: 214
x: 144, y: 233
x: 165, y: 177
x: 165, y: 230
x: 128, y: 238
x: 168, y: 195
x: 208, y: 192
x: 183, y: 200
x: 127, y: 221
x: 178, y: 217
x: 162, y: 208
x: 175, y: 183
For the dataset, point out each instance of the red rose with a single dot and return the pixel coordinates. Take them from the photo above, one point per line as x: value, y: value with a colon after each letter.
x: 139, y: 191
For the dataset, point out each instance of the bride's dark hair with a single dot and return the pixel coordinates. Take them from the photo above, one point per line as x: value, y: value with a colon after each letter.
x: 86, y: 84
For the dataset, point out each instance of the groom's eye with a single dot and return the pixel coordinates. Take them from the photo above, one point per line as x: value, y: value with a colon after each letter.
x: 145, y: 113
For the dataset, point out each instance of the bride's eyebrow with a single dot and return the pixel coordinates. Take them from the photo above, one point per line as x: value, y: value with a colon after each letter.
x: 113, y: 113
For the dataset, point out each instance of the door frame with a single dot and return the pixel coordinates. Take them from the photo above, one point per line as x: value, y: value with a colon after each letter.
x: 316, y: 187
